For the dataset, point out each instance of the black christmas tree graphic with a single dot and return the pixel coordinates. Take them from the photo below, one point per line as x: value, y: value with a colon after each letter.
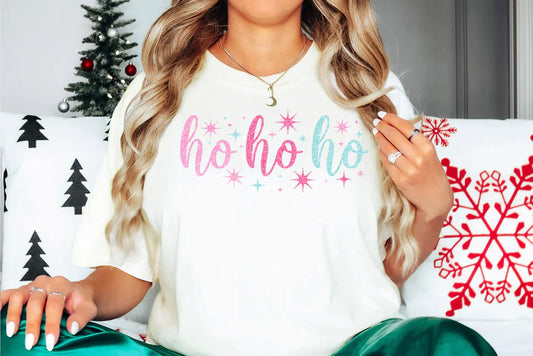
x: 32, y: 132
x: 77, y: 191
x: 35, y: 264
x: 107, y: 132
x: 5, y: 190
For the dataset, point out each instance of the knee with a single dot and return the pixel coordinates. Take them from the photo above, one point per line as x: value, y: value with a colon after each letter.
x: 453, y: 338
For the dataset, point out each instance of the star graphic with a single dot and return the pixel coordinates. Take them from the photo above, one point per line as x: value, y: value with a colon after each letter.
x: 235, y: 134
x: 233, y: 177
x: 303, y: 179
x: 342, y: 127
x: 210, y: 128
x: 302, y: 138
x: 360, y: 173
x: 288, y: 122
x: 358, y: 134
x: 344, y: 179
x: 257, y: 185
x: 279, y: 189
x: 272, y: 134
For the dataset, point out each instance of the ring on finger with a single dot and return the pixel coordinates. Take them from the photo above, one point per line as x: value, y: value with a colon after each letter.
x: 55, y: 292
x: 37, y: 289
x: 413, y: 133
x: 393, y: 157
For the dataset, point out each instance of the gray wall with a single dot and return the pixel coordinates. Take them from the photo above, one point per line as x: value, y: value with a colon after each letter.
x: 40, y: 40
x: 452, y: 55
x: 39, y: 44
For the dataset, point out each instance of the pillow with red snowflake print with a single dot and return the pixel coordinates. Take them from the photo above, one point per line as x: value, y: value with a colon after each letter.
x: 482, y: 267
x: 48, y: 167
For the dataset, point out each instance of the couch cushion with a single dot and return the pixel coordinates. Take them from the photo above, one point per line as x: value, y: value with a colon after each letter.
x: 482, y: 267
x: 49, y: 164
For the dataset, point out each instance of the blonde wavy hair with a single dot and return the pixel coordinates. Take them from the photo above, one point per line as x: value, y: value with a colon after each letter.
x: 173, y: 52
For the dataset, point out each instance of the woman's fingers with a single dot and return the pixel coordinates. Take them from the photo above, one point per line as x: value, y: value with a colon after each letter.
x: 397, y: 131
x: 85, y: 311
x: 48, y: 295
x: 402, y: 164
x: 59, y: 289
x: 17, y: 299
x: 34, y: 314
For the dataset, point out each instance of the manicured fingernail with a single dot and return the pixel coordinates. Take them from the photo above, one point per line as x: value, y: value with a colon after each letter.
x: 375, y: 131
x: 376, y: 122
x: 10, y: 328
x: 74, y: 328
x: 29, y: 341
x: 50, y: 342
x: 382, y: 114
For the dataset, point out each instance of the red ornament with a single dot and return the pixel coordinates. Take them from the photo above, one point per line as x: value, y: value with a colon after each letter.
x: 131, y: 70
x: 87, y: 64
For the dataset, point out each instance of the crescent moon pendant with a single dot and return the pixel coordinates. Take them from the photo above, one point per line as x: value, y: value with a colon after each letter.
x: 273, y: 103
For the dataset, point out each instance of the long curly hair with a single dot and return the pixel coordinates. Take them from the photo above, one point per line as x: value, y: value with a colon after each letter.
x: 173, y: 52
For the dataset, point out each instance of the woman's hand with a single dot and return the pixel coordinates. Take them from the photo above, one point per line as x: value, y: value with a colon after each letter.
x: 50, y: 295
x: 417, y: 172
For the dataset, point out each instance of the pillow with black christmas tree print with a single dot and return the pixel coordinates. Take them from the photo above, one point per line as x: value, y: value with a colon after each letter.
x: 48, y: 167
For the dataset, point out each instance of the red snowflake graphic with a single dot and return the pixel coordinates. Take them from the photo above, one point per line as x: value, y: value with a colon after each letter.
x: 438, y: 131
x: 495, y: 237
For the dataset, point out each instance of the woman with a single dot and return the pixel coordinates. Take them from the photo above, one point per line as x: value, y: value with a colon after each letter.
x: 247, y: 181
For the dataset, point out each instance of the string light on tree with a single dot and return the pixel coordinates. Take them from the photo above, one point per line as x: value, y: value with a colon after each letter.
x: 112, y: 33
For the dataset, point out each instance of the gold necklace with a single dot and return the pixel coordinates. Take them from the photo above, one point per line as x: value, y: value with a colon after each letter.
x: 270, y: 85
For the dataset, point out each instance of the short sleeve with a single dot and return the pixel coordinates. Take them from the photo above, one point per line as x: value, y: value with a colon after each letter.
x: 91, y: 248
x: 399, y: 98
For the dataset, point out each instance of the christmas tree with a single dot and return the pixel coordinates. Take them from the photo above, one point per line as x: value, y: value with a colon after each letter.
x: 35, y: 264
x: 77, y: 191
x: 32, y: 131
x: 104, y: 85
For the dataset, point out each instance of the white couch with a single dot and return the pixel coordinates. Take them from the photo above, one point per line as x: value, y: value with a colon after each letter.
x: 480, y: 273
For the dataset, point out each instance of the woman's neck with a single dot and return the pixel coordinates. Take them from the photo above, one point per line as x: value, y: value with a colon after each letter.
x: 263, y: 49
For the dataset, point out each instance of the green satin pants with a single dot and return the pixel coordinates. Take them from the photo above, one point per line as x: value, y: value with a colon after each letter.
x: 391, y: 337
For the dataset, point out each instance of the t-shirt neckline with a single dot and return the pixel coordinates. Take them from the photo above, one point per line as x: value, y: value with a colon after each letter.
x: 223, y: 71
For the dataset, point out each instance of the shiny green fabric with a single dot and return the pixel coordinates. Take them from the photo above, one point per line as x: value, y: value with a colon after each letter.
x: 391, y: 337
x: 93, y: 339
x: 416, y: 337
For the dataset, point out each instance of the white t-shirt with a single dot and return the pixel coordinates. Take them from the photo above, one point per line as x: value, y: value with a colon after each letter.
x: 267, y: 217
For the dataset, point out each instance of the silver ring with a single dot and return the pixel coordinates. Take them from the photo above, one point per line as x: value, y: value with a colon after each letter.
x: 415, y: 131
x: 33, y: 289
x: 57, y: 293
x: 393, y: 157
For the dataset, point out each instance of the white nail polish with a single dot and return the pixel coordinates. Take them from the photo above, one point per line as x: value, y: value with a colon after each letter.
x: 50, y: 342
x: 74, y: 328
x: 10, y: 328
x: 382, y: 114
x: 375, y: 131
x: 376, y: 122
x: 29, y: 341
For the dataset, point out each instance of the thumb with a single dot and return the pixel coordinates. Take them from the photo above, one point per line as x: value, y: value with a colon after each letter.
x: 84, y: 312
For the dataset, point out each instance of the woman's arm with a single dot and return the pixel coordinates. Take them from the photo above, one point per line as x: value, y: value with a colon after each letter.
x: 113, y: 291
x: 418, y: 174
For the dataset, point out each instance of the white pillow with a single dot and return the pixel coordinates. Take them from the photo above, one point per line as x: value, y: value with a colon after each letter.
x: 482, y: 267
x: 51, y: 165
